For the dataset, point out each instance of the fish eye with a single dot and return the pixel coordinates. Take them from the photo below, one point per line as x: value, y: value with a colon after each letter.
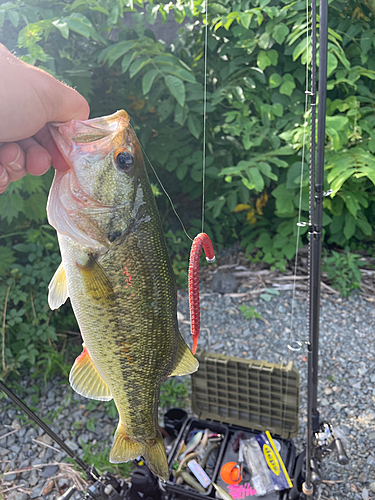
x: 124, y: 161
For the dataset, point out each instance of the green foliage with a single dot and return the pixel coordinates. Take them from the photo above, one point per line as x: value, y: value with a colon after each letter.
x: 268, y: 294
x: 97, y: 455
x: 343, y: 271
x: 29, y: 328
x: 174, y: 393
x: 255, y: 123
x: 249, y: 312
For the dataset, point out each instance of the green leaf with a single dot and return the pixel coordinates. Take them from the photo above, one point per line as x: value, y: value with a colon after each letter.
x: 289, y: 250
x: 288, y: 85
x: 177, y: 88
x: 366, y: 41
x: 11, y: 204
x: 34, y: 207
x: 263, y: 61
x: 349, y: 227
x: 118, y: 51
x: 165, y: 108
x: 364, y: 226
x: 280, y: 32
x: 232, y: 201
x: 148, y: 80
x: 275, y: 80
x: 113, y: 17
x: 331, y: 63
x: 63, y: 27
x: 181, y: 114
x: 7, y: 258
x: 79, y: 24
x: 14, y: 17
x: 181, y: 171
x: 194, y: 126
x: 138, y: 65
x: 188, y: 76
x: 284, y: 200
x: 2, y: 17
x: 127, y: 60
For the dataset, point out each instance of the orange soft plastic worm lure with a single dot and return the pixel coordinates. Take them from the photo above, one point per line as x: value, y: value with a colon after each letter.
x: 196, y: 249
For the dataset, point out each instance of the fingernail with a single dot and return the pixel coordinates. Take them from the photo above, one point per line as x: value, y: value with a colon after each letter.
x: 14, y: 165
x: 4, y: 177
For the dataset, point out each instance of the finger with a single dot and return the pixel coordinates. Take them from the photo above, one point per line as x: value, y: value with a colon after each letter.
x: 63, y: 103
x: 4, y: 179
x: 38, y: 159
x: 44, y: 137
x: 39, y: 95
x: 12, y: 158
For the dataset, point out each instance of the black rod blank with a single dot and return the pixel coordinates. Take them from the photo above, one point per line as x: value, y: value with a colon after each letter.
x: 88, y: 470
x: 316, y: 219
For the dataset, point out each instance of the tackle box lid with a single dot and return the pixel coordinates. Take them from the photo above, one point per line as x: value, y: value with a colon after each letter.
x: 254, y: 394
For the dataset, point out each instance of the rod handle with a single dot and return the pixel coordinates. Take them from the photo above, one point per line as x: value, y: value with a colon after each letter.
x: 342, y: 457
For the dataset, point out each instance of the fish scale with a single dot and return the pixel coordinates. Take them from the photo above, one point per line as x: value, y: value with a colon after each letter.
x: 118, y: 275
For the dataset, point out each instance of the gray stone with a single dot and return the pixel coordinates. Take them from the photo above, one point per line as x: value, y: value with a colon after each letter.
x: 370, y: 460
x: 45, y: 438
x: 3, y: 451
x: 365, y: 495
x: 11, y: 440
x: 10, y: 477
x: 22, y: 432
x: 17, y: 495
x: 16, y: 424
x: 372, y: 486
x: 16, y: 448
x: 35, y: 492
x: 50, y: 470
x: 73, y: 445
x: 337, y: 406
x: 224, y: 283
x: 33, y: 478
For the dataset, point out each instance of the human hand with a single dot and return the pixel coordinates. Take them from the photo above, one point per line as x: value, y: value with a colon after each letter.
x: 29, y: 99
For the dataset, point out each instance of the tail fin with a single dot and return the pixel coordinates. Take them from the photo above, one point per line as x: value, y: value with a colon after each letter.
x: 125, y: 448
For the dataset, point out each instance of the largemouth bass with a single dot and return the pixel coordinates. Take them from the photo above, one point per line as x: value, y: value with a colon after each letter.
x: 116, y: 270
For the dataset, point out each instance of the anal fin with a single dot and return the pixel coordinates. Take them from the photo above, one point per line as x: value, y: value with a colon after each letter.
x: 58, y: 288
x: 85, y: 379
x: 186, y: 363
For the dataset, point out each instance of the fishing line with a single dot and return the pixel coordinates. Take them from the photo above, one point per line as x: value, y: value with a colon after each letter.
x: 165, y: 192
x: 204, y: 140
x: 299, y: 223
x: 204, y: 116
x: 296, y: 345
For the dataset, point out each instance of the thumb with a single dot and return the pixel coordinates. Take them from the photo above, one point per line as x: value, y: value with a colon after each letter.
x: 62, y: 103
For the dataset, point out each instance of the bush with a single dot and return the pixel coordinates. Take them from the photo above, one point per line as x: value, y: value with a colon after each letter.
x: 256, y: 126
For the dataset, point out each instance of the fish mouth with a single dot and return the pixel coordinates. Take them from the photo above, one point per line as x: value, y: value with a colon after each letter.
x: 68, y: 205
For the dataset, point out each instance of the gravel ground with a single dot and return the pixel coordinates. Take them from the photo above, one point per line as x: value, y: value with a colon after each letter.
x: 346, y: 394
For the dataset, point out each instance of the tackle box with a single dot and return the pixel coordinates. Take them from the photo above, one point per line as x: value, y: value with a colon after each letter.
x: 232, y: 396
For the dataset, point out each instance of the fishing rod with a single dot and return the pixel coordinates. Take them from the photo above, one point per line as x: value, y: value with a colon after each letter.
x: 105, y: 487
x: 321, y: 439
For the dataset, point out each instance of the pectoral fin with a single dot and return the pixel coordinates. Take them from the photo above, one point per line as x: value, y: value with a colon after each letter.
x: 186, y: 363
x: 85, y: 379
x: 95, y: 279
x: 58, y: 288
